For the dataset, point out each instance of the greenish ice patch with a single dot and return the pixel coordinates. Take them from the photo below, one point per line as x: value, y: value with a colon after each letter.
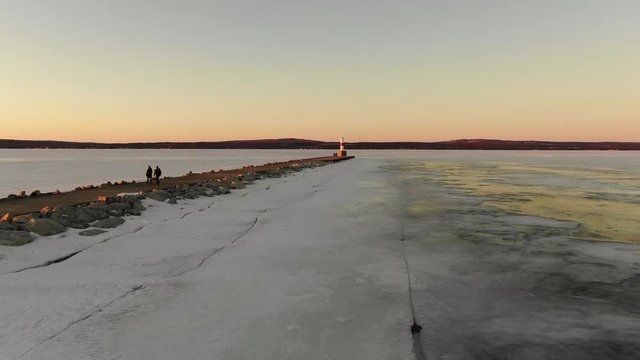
x: 605, y: 202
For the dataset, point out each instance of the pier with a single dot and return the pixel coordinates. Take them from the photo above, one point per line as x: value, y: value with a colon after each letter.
x: 25, y: 205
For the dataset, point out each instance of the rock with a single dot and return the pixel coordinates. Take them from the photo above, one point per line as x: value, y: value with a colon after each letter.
x: 156, y: 195
x: 91, y: 232
x: 22, y: 194
x: 46, y: 211
x: 137, y: 206
x: 128, y: 198
x: 109, y: 223
x: 70, y: 216
x: 35, y: 193
x: 223, y: 190
x: 14, y: 238
x: 92, y: 213
x: 117, y: 209
x: 44, y: 227
x: 172, y: 201
x: 98, y: 206
x: 237, y: 185
x: 22, y: 219
x: 132, y: 212
x: 13, y: 197
x: 6, y: 217
x: 5, y: 225
x: 112, y: 199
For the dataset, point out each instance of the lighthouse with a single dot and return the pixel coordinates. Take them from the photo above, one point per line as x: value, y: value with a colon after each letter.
x: 342, y: 152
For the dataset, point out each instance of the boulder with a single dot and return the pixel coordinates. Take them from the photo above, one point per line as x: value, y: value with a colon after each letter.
x: 70, y: 216
x: 128, y: 199
x: 22, y: 194
x: 6, y: 217
x: 132, y: 212
x: 92, y: 213
x: 223, y: 190
x: 137, y: 206
x: 22, y: 219
x: 91, y: 232
x: 109, y: 223
x: 13, y: 197
x: 46, y: 211
x: 98, y: 206
x: 117, y: 209
x: 156, y: 195
x: 35, y: 193
x: 5, y: 225
x: 172, y: 201
x: 237, y: 185
x: 44, y: 227
x: 14, y: 238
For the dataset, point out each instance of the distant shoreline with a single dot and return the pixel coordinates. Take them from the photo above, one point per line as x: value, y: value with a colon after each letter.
x: 303, y: 144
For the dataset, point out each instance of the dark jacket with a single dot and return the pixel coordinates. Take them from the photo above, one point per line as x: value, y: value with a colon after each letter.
x: 149, y: 172
x: 157, y: 173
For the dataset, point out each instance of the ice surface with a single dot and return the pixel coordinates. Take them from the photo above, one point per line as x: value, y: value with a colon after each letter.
x: 311, y: 266
x: 289, y: 272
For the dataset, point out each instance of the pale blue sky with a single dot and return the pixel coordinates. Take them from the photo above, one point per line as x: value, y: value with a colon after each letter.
x: 299, y: 61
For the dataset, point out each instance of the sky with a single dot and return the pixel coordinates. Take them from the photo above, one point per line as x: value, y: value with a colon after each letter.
x: 427, y: 70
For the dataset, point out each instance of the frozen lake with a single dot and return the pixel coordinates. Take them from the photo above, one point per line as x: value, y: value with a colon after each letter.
x: 65, y: 169
x: 511, y: 255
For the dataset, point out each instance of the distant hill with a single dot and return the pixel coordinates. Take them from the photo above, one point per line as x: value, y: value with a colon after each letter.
x: 463, y: 144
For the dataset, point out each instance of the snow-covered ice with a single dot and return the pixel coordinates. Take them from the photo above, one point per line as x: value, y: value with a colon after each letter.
x: 315, y: 266
x: 286, y: 269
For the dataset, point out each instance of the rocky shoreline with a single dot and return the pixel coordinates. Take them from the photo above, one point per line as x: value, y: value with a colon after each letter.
x: 107, y: 212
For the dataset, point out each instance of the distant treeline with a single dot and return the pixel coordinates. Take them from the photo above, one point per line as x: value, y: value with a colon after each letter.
x: 465, y: 144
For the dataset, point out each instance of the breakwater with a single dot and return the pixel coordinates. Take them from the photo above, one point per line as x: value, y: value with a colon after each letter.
x: 103, y: 206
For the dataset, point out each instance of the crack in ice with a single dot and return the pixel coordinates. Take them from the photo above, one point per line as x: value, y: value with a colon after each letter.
x: 83, y: 318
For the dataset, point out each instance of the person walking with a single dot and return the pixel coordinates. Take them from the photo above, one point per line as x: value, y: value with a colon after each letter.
x: 157, y: 173
x: 149, y: 175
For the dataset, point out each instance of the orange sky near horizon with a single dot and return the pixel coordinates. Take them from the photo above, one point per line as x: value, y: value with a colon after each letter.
x: 88, y: 74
